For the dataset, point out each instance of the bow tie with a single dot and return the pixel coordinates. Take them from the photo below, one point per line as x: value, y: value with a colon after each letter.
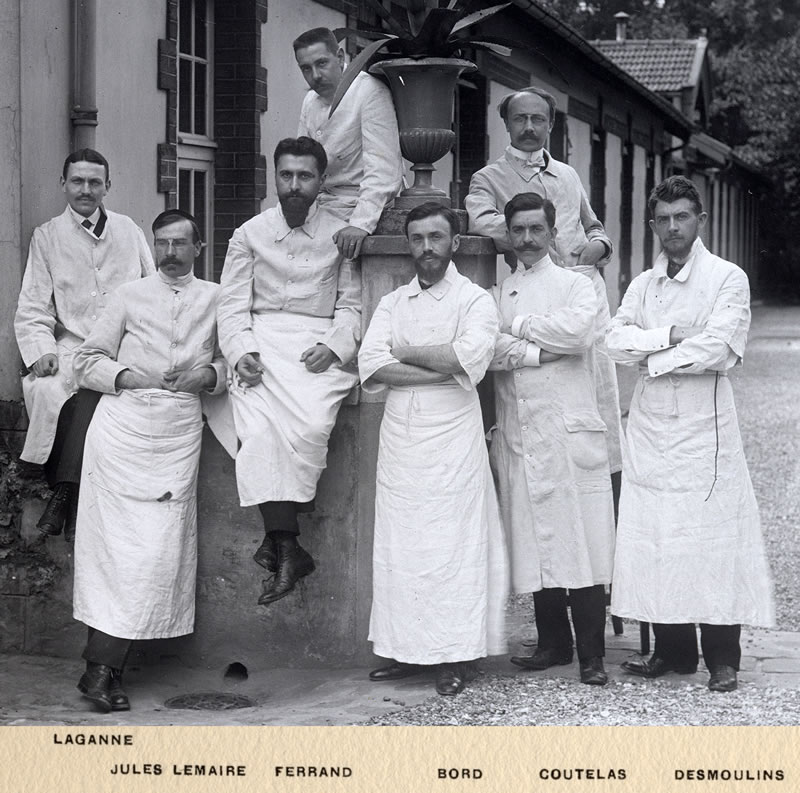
x: 534, y: 162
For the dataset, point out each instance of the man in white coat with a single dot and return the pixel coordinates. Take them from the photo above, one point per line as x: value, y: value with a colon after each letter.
x: 289, y: 324
x: 581, y: 244
x: 75, y: 263
x: 365, y: 167
x: 439, y: 560
x: 151, y: 354
x: 689, y: 544
x: 549, y: 450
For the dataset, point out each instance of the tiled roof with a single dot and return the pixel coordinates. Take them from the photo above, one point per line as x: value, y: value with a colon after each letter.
x: 662, y: 65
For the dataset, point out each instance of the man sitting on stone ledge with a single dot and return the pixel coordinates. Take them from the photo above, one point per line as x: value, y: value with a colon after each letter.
x: 75, y: 262
x: 440, y: 573
x: 365, y: 168
x: 289, y: 323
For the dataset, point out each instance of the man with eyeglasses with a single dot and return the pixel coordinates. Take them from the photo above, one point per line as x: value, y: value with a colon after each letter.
x: 152, y: 354
x: 75, y: 262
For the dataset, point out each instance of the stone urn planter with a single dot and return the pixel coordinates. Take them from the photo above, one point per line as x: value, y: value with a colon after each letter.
x: 423, y: 90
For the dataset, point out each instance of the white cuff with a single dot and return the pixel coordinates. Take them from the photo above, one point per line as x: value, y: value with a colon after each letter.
x: 516, y: 325
x: 662, y: 362
x: 531, y: 357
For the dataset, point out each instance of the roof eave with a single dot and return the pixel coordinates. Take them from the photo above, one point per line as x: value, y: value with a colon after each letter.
x: 675, y: 121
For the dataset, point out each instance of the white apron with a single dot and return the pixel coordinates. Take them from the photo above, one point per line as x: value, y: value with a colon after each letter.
x: 136, y: 539
x: 439, y: 561
x: 285, y: 421
x: 689, y: 548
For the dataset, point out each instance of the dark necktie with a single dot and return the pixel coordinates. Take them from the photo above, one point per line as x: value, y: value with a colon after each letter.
x: 98, y: 229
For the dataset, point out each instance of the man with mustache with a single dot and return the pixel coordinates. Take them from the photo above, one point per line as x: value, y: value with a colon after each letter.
x: 289, y: 324
x: 152, y: 354
x: 439, y: 560
x: 549, y: 452
x: 689, y: 548
x: 75, y: 263
x: 361, y: 140
x: 581, y: 243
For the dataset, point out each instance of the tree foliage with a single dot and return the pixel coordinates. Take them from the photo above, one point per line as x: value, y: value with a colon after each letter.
x: 754, y: 49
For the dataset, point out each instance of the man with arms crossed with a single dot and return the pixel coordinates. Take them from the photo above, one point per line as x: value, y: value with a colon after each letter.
x: 289, y: 322
x: 439, y: 561
x: 151, y: 354
x: 365, y: 168
x: 549, y: 451
x: 689, y: 545
x: 75, y: 262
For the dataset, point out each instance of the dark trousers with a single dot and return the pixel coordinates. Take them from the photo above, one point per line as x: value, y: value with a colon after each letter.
x: 677, y: 644
x: 101, y: 648
x: 66, y: 457
x: 281, y: 516
x: 588, y: 606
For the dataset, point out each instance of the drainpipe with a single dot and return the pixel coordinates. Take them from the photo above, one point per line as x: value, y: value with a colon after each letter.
x: 84, y: 108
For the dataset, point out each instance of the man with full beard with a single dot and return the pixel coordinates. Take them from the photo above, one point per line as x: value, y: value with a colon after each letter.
x: 289, y: 320
x: 439, y: 559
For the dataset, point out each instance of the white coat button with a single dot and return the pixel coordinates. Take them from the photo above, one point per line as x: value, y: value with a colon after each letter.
x: 290, y: 256
x: 525, y: 426
x: 94, y: 294
x: 522, y: 401
x: 94, y: 316
x: 518, y: 374
x: 174, y: 344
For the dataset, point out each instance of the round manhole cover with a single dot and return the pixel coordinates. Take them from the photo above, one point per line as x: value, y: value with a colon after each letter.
x: 210, y: 700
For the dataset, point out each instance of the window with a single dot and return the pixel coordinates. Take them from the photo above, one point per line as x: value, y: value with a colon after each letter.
x: 196, y: 147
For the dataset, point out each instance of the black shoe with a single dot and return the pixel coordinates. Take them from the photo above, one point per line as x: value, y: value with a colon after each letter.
x: 293, y: 564
x: 543, y: 659
x: 119, y: 699
x: 395, y: 671
x: 657, y: 667
x: 723, y: 678
x: 71, y: 520
x: 593, y: 672
x: 55, y: 512
x: 267, y: 555
x: 450, y: 679
x: 94, y: 685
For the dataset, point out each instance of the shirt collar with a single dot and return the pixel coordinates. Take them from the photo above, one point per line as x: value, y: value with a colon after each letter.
x: 661, y: 262
x: 535, y: 267
x: 440, y: 288
x: 93, y: 218
x: 309, y: 227
x: 177, y: 284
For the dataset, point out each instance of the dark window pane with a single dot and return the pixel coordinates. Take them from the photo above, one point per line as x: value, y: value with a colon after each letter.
x: 200, y: 29
x: 200, y: 178
x: 185, y: 26
x: 185, y: 96
x: 185, y: 189
x: 199, y: 99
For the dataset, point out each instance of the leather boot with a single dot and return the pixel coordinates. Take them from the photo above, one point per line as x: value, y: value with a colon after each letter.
x: 267, y: 554
x: 119, y: 699
x: 94, y: 685
x: 293, y: 563
x: 55, y: 512
x: 71, y: 520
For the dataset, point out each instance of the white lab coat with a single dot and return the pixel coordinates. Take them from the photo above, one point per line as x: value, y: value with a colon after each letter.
x: 549, y: 451
x: 689, y: 544
x: 68, y: 279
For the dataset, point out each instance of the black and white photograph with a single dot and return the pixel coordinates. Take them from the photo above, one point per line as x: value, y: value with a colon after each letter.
x: 399, y: 363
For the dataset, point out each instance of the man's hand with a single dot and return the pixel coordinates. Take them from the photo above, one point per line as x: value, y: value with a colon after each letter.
x: 545, y: 356
x: 190, y: 381
x: 129, y: 379
x: 593, y: 252
x: 46, y: 365
x: 249, y: 368
x: 679, y: 333
x: 318, y: 358
x: 349, y: 240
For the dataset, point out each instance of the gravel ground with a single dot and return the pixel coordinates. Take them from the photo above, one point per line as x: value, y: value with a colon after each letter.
x: 767, y: 390
x: 525, y: 700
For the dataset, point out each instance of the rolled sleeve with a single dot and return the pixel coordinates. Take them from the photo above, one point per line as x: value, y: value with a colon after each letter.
x: 375, y: 352
x: 475, y: 345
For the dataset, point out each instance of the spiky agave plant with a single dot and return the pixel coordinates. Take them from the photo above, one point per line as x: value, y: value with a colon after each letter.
x: 432, y: 32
